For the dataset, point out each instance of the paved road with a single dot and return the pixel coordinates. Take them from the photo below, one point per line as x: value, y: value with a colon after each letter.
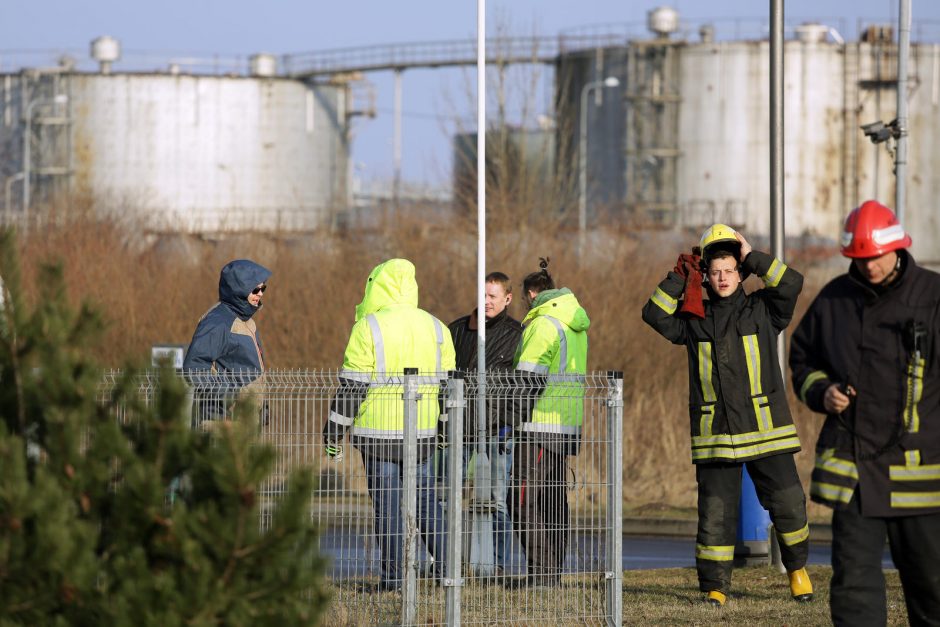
x: 650, y: 552
x: 353, y: 554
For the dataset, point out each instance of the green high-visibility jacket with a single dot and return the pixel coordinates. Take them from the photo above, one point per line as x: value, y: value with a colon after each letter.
x: 390, y: 334
x: 554, y: 349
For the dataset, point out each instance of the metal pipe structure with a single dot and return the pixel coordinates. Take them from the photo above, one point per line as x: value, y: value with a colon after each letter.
x: 900, y: 155
x: 481, y: 209
x: 776, y: 148
x: 481, y: 554
x: 610, y: 81
x: 396, y: 183
x: 27, y: 144
x: 8, y: 207
x: 454, y: 581
x: 409, y: 498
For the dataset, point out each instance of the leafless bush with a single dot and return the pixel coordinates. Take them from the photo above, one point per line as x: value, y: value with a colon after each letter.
x: 156, y: 294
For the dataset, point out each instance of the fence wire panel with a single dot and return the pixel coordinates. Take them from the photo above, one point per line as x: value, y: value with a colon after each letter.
x: 531, y: 535
x: 536, y: 531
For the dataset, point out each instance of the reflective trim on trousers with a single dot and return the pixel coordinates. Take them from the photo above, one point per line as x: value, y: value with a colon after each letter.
x: 792, y: 538
x: 714, y: 553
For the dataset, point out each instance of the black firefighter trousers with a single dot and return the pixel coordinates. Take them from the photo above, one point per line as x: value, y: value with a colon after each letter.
x: 857, y: 593
x: 538, y: 504
x: 719, y: 494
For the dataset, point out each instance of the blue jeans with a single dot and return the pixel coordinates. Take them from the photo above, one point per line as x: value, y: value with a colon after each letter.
x: 500, y: 466
x: 384, y: 479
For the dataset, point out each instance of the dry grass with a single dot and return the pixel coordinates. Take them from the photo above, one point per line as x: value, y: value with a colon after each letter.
x: 760, y: 596
x: 156, y: 292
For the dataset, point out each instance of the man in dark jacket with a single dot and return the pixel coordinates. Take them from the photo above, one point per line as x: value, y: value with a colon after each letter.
x: 738, y: 407
x: 225, y: 354
x: 502, y: 338
x: 867, y: 354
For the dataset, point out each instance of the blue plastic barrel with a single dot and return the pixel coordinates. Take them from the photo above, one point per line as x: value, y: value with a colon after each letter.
x: 753, y: 545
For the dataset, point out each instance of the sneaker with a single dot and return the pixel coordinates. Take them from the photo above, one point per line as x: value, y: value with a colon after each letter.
x: 715, y: 598
x: 801, y: 588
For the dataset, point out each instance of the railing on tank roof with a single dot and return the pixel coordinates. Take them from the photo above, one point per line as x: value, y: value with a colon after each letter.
x: 429, y: 54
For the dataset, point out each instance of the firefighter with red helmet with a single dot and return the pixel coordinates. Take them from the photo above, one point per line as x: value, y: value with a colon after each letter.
x: 867, y: 354
x: 737, y: 403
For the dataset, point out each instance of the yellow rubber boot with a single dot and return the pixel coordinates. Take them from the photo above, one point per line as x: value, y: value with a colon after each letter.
x: 716, y: 598
x: 800, y: 586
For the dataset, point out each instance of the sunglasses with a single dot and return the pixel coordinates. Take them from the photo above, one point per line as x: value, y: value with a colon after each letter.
x: 259, y: 290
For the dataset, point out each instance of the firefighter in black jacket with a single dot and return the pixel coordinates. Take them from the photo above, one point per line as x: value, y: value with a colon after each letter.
x: 503, y: 333
x: 867, y: 354
x: 738, y: 407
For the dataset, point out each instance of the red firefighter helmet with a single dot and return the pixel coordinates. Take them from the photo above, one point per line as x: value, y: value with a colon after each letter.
x: 872, y: 230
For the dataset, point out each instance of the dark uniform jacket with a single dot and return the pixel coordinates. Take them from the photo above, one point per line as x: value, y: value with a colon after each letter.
x: 737, y: 402
x: 884, y: 342
x: 503, y: 334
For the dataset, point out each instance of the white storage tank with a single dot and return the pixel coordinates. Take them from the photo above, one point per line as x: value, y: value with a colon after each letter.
x: 183, y: 152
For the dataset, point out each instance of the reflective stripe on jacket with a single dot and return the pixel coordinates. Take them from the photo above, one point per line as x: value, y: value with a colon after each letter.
x: 737, y: 403
x: 390, y: 334
x: 887, y: 443
x: 554, y: 347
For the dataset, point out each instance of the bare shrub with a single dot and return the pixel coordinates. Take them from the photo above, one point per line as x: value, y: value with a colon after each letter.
x: 151, y: 297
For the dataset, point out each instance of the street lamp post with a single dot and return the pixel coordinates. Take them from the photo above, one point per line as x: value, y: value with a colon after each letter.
x: 27, y: 143
x: 610, y: 81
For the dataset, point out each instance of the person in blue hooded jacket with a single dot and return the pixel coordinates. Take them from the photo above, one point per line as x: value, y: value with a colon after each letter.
x: 225, y: 345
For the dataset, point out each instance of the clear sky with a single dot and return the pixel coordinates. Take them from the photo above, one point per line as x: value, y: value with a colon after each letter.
x: 433, y: 99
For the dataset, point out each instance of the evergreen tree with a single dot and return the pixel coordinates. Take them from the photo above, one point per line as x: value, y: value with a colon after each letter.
x: 90, y: 531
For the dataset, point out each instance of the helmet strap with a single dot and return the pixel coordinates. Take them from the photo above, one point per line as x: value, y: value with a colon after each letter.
x: 894, y: 273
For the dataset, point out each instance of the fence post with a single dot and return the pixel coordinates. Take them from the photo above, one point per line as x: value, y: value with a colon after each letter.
x: 409, y: 498
x: 453, y: 580
x: 614, y: 498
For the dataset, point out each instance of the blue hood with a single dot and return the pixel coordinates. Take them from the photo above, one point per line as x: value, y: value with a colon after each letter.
x: 237, y: 280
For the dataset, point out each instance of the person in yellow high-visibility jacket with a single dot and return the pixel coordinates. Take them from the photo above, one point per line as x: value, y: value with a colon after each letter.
x: 390, y: 334
x: 550, y: 365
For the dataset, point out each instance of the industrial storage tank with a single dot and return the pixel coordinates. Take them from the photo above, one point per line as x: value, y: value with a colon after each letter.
x: 694, y: 126
x: 175, y: 151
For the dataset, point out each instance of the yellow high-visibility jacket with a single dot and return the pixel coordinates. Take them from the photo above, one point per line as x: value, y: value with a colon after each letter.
x: 390, y: 334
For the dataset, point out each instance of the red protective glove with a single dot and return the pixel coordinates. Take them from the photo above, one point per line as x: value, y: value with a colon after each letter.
x: 687, y: 264
x: 690, y: 266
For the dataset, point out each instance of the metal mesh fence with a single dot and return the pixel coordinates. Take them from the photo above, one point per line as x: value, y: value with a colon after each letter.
x: 433, y: 511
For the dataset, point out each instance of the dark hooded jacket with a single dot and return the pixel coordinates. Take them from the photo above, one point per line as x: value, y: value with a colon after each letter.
x: 226, y: 338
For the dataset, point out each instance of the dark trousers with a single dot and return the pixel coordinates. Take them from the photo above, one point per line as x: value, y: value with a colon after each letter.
x: 539, y: 507
x: 719, y: 494
x: 384, y: 479
x: 857, y: 593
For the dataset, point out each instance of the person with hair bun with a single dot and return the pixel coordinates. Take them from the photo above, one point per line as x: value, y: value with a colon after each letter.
x: 550, y: 366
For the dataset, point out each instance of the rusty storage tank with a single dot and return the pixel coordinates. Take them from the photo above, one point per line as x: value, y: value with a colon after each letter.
x: 687, y: 142
x: 176, y: 151
x: 724, y: 134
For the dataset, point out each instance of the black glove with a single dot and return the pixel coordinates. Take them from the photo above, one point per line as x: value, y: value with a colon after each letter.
x: 442, y: 435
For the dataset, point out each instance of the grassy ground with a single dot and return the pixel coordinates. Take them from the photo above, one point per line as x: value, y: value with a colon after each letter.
x: 760, y: 596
